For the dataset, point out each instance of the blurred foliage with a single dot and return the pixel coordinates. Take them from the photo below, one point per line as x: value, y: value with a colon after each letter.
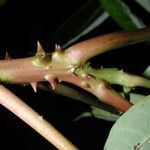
x: 2, y: 2
x: 147, y: 72
x: 121, y: 14
x: 145, y: 4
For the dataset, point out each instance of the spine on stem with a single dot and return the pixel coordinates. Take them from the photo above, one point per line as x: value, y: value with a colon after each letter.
x: 62, y: 65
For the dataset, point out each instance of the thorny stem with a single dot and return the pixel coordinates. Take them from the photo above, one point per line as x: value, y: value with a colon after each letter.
x: 63, y: 66
x: 33, y: 119
x: 34, y: 74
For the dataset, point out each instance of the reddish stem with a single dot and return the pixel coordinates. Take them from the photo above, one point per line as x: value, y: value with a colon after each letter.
x: 100, y: 89
x: 61, y: 65
x: 79, y: 53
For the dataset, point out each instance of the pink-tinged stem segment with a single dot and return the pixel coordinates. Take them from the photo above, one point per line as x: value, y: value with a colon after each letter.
x: 62, y: 66
x: 100, y: 89
x: 23, y: 71
x: 79, y: 53
x: 33, y: 119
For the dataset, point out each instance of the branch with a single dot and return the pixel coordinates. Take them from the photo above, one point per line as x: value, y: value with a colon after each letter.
x: 33, y: 119
x: 63, y: 65
x: 115, y: 76
x: 79, y: 53
x: 78, y: 95
x: 100, y: 89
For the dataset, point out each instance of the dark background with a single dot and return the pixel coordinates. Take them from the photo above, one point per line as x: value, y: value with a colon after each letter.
x: 22, y: 23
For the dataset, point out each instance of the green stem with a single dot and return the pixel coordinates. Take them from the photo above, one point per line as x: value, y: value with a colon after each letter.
x: 115, y: 76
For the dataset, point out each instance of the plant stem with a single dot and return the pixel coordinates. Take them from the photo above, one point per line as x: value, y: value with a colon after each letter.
x: 62, y: 66
x: 100, y: 89
x: 79, y: 53
x: 78, y: 95
x: 115, y: 76
x: 33, y: 119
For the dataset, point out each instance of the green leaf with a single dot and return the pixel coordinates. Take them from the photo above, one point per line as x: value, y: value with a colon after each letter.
x: 147, y: 72
x: 106, y: 114
x: 145, y: 4
x: 121, y: 14
x: 99, y: 113
x: 83, y: 115
x: 135, y: 98
x: 132, y: 130
x: 85, y: 19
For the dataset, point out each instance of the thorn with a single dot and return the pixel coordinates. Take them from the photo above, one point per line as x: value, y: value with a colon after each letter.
x: 7, y: 56
x: 48, y: 67
x: 86, y: 76
x: 121, y: 70
x: 57, y: 48
x: 41, y: 117
x: 52, y: 80
x: 34, y: 86
x: 40, y: 48
x: 72, y: 71
x: 85, y: 85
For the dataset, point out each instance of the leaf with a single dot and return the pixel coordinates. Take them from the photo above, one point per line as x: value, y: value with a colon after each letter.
x: 147, y: 72
x: 122, y: 14
x: 99, y: 113
x: 83, y: 115
x: 135, y: 98
x: 145, y: 4
x: 85, y: 19
x: 132, y: 130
